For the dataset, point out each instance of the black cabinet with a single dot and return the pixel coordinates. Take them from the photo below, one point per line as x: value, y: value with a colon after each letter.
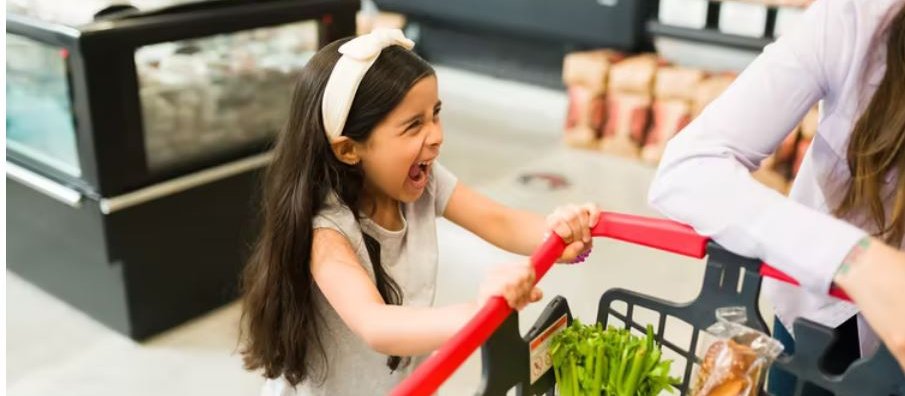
x: 142, y: 269
x: 134, y: 141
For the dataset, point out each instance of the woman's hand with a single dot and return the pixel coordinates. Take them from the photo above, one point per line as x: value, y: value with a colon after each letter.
x: 873, y: 275
x: 573, y: 224
x: 513, y: 282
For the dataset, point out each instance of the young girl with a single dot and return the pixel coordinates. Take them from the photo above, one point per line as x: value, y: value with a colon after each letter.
x: 338, y: 292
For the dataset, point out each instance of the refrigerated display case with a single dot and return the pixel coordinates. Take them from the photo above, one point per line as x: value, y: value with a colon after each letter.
x: 135, y: 133
x: 39, y: 121
x: 136, y: 97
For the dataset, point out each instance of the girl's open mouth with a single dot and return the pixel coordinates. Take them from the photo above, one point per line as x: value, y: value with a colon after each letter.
x: 418, y: 174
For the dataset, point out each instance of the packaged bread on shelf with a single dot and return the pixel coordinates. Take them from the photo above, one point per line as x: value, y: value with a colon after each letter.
x: 627, y: 120
x: 589, y: 69
x: 585, y: 76
x: 710, y: 89
x: 629, y: 99
x: 634, y: 74
x: 669, y: 117
x: 675, y: 82
x: 585, y: 117
x: 674, y: 91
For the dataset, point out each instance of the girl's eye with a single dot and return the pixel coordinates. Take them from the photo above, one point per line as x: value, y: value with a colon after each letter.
x: 414, y: 126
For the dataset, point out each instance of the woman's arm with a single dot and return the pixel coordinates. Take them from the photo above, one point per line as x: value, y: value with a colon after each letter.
x: 873, y: 275
x: 704, y: 178
x: 401, y: 330
x: 519, y: 231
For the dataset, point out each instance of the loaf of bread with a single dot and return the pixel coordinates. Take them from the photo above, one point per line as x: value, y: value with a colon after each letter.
x: 585, y: 75
x: 634, y: 75
x: 678, y: 83
x: 729, y: 368
x: 710, y: 89
x: 589, y: 69
x: 669, y: 117
x: 674, y: 92
x: 585, y: 117
x: 626, y: 125
x: 629, y: 100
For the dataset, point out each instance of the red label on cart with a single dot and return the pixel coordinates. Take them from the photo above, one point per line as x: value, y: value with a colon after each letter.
x: 540, y: 359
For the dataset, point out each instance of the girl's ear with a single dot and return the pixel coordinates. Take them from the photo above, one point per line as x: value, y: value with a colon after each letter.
x: 346, y: 150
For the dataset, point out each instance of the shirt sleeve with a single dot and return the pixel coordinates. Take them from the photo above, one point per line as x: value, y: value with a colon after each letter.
x: 443, y: 182
x: 339, y: 218
x: 704, y: 178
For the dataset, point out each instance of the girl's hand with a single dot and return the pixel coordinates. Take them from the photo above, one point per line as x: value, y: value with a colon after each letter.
x: 513, y: 282
x: 573, y: 224
x: 873, y: 275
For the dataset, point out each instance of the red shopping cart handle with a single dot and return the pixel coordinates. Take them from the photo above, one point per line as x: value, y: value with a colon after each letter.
x: 655, y: 233
x: 436, y: 369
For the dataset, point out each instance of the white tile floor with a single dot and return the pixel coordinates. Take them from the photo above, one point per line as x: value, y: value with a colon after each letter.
x: 495, y: 131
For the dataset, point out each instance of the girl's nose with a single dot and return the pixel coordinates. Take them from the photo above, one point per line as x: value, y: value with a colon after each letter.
x: 435, y: 135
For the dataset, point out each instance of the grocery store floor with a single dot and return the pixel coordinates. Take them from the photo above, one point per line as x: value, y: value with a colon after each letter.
x: 495, y: 132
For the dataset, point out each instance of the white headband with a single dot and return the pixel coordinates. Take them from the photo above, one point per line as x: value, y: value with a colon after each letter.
x: 358, y: 56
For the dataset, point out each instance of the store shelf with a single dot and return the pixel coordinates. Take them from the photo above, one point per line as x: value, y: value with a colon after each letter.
x: 709, y: 36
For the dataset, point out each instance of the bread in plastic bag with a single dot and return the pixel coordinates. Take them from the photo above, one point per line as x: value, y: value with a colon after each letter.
x: 735, y: 358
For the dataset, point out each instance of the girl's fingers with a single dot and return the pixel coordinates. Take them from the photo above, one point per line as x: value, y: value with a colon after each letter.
x: 563, y: 230
x: 562, y: 226
x: 536, y: 295
x: 574, y: 221
x: 585, y: 225
x: 513, y: 282
x: 532, y: 276
x: 594, y: 213
x: 527, y: 285
x: 573, y: 250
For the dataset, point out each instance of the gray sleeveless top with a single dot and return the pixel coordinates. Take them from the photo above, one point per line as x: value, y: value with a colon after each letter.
x: 409, y: 256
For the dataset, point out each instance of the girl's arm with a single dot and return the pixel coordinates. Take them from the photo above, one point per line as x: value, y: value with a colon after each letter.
x: 519, y: 231
x: 401, y: 330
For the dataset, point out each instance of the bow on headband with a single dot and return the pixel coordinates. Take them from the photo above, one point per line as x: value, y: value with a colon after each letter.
x: 357, y: 57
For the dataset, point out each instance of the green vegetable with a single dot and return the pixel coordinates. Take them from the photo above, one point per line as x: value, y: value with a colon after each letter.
x: 633, y: 381
x: 574, y: 373
x: 588, y: 360
x: 600, y: 367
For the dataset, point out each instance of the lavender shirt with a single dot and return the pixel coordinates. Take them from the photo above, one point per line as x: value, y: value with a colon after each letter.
x: 835, y: 55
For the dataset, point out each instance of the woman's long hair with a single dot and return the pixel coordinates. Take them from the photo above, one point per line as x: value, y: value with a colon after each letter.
x: 876, y: 148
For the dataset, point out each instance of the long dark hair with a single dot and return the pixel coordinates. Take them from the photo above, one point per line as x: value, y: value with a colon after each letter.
x: 280, y: 323
x: 876, y: 148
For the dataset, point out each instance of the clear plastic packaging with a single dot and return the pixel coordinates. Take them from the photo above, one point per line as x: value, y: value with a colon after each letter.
x: 735, y: 356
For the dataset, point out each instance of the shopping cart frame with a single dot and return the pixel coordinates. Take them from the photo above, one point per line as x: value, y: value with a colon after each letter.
x: 505, y: 353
